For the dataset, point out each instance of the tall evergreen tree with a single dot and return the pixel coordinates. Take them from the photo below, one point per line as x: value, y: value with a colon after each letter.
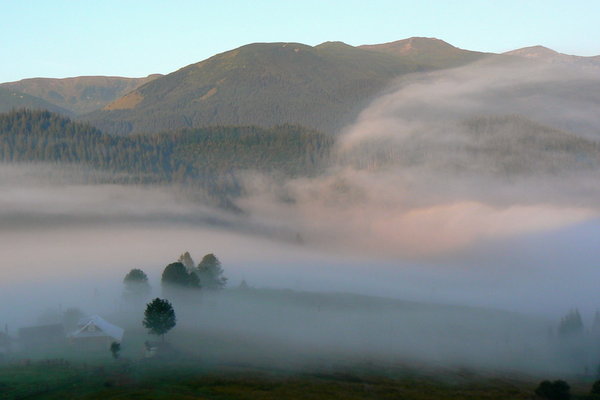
x: 571, y: 324
x: 210, y: 273
x: 187, y: 261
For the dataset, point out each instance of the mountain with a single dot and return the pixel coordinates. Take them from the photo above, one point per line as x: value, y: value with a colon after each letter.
x: 12, y: 99
x: 266, y: 84
x: 541, y: 53
x: 81, y: 94
x: 431, y: 52
x: 536, y: 52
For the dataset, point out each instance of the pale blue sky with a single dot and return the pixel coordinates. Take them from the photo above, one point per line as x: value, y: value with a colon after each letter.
x: 62, y: 38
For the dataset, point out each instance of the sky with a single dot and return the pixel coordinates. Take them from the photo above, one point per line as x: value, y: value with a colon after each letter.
x: 64, y: 38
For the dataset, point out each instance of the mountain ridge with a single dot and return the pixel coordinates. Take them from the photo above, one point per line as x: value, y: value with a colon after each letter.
x: 321, y: 87
x: 546, y: 54
x: 433, y: 51
x: 13, y: 99
x: 81, y: 94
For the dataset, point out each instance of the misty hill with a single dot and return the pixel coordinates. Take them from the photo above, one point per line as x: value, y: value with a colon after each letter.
x: 207, y: 157
x: 79, y: 95
x: 500, y: 146
x: 321, y: 87
x: 260, y: 343
x: 12, y: 99
x: 519, y: 146
x: 280, y: 328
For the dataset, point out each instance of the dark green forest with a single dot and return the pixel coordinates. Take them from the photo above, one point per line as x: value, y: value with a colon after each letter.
x: 206, y: 157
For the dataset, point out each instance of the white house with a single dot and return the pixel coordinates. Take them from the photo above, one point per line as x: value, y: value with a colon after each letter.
x: 96, y: 331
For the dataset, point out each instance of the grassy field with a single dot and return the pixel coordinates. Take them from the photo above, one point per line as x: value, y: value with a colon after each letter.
x: 188, y: 378
x: 266, y: 344
x: 145, y: 380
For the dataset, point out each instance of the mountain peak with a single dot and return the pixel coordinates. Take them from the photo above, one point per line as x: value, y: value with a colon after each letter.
x: 411, y: 45
x: 332, y: 44
x: 534, y: 52
x: 544, y: 54
x: 427, y: 52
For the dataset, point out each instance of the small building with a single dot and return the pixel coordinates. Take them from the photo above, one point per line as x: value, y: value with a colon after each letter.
x: 96, y: 332
x: 42, y: 336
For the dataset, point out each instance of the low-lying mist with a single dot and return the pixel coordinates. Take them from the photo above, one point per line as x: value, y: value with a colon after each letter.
x: 448, y: 159
x: 56, y: 256
x: 454, y: 188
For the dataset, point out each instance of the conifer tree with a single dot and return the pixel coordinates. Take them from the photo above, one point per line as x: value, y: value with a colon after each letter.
x: 187, y: 261
x: 571, y: 324
x: 210, y: 273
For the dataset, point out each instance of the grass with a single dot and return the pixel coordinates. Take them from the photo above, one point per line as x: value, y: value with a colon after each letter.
x: 209, y: 362
x: 190, y: 378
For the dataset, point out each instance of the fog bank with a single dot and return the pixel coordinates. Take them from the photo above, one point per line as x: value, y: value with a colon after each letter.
x: 469, y: 187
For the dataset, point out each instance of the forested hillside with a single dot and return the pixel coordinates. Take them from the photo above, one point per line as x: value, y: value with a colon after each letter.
x: 502, y: 146
x: 205, y: 157
x: 321, y: 87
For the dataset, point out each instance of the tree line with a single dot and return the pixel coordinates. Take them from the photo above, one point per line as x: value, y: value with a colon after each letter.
x: 182, y: 274
x: 210, y: 157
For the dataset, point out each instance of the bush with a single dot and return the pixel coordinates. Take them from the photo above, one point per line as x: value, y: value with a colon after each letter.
x: 596, y: 389
x: 557, y: 390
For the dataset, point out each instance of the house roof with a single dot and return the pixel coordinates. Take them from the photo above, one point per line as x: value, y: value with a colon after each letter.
x: 103, y: 329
